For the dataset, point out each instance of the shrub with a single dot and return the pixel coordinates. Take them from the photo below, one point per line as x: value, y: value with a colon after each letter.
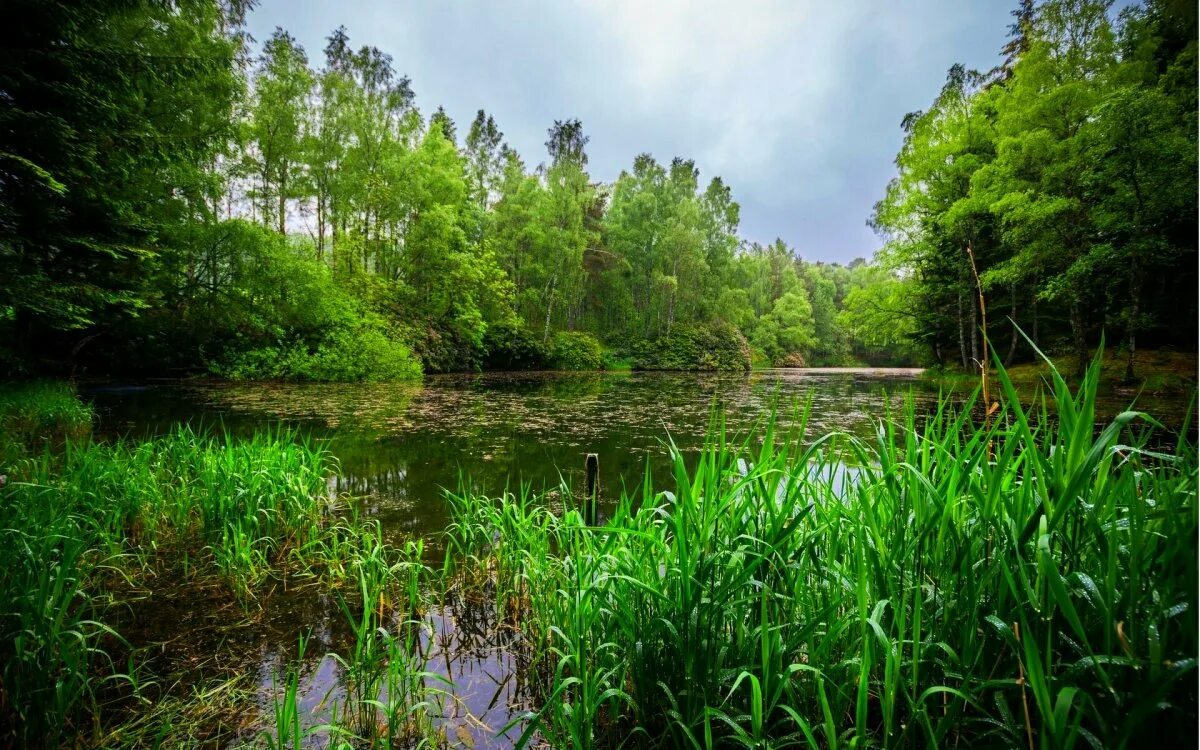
x: 575, y: 350
x: 791, y: 359
x: 345, y: 354
x: 715, y: 346
x: 511, y: 346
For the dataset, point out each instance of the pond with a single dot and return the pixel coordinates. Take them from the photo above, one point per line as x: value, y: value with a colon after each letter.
x: 399, y: 448
x: 401, y: 445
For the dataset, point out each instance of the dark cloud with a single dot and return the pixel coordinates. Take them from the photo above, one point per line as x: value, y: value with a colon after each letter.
x: 797, y: 105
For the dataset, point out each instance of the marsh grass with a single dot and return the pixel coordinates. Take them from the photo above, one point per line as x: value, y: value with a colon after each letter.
x: 1025, y: 580
x: 39, y: 413
x: 84, y: 528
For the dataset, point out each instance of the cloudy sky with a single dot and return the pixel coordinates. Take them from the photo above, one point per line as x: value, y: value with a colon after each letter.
x: 795, y: 103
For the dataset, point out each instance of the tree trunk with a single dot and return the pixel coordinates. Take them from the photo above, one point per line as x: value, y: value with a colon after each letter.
x: 1080, y: 344
x: 975, y: 359
x: 549, y: 308
x: 283, y: 204
x: 320, y: 226
x: 1135, y: 293
x: 1034, y: 312
x: 962, y: 334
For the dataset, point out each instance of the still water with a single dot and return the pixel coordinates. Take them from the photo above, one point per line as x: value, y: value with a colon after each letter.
x: 399, y: 447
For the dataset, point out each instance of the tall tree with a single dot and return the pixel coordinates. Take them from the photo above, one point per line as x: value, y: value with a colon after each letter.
x: 114, y: 115
x: 278, y: 115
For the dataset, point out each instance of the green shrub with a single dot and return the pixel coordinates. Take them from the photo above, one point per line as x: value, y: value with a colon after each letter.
x: 512, y: 346
x: 715, y: 346
x: 576, y: 350
x: 345, y: 354
x: 42, y: 411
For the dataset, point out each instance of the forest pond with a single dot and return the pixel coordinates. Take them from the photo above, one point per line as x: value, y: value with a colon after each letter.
x: 400, y: 446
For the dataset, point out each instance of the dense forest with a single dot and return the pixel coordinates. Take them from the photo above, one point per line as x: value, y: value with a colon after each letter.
x: 1059, y: 187
x: 177, y: 198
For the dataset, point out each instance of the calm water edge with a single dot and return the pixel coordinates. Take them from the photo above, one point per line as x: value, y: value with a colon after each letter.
x: 401, y: 445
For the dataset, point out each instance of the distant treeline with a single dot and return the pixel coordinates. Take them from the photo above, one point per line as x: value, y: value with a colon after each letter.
x: 175, y: 199
x: 1068, y: 173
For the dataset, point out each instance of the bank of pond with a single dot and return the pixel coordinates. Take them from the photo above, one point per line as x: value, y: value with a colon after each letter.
x: 1023, y: 574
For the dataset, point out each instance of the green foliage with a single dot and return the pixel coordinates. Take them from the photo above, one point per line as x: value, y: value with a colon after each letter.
x: 1002, y: 583
x: 788, y: 329
x: 365, y: 353
x: 319, y: 197
x: 65, y: 521
x: 576, y: 350
x: 37, y: 413
x: 82, y: 528
x: 512, y: 346
x: 718, y: 346
x: 114, y: 112
x: 1068, y: 174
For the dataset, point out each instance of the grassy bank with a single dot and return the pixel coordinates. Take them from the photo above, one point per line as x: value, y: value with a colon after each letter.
x: 88, y: 530
x: 1158, y: 373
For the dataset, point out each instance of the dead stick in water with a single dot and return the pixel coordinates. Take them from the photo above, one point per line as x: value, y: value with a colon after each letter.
x: 591, y: 467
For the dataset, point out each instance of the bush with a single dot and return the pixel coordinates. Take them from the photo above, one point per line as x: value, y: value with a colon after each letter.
x: 715, y: 346
x: 345, y: 354
x: 511, y: 346
x: 791, y: 359
x: 575, y: 350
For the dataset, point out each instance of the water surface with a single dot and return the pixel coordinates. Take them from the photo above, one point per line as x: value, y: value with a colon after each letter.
x: 399, y: 446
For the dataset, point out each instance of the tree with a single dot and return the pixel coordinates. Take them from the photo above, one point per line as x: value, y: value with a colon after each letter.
x: 278, y: 115
x: 114, y: 115
x: 485, y: 158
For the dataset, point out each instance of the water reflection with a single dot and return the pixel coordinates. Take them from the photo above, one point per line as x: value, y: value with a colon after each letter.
x: 401, y: 445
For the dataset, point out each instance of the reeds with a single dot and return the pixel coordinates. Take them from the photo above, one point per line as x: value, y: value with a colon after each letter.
x: 76, y: 525
x: 1026, y: 580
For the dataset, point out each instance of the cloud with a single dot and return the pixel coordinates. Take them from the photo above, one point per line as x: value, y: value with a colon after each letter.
x: 796, y: 104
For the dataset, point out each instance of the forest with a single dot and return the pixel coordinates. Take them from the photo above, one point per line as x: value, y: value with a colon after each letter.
x: 198, y: 202
x: 177, y: 198
x: 1060, y: 187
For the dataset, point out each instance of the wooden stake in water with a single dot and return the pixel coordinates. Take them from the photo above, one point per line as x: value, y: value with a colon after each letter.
x: 591, y: 467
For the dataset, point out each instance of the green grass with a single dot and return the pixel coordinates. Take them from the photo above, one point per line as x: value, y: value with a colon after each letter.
x: 38, y: 413
x: 81, y: 525
x: 1157, y: 372
x: 1026, y: 582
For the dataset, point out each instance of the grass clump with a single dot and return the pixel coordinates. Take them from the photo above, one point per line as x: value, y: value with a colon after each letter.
x: 81, y: 527
x: 41, y: 412
x: 1028, y: 579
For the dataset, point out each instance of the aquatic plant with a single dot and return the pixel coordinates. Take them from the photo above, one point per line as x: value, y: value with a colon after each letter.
x: 79, y: 526
x: 1023, y: 580
x: 37, y: 413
